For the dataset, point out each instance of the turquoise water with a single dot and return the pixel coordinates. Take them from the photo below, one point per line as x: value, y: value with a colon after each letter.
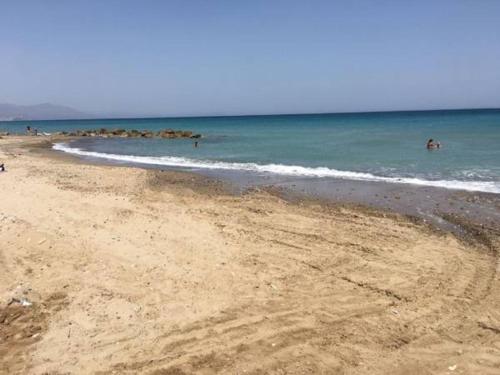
x: 386, y: 146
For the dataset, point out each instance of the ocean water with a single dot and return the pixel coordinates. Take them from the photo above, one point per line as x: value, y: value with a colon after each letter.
x: 384, y: 146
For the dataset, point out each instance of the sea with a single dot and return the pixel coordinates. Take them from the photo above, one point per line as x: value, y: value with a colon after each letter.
x: 388, y: 147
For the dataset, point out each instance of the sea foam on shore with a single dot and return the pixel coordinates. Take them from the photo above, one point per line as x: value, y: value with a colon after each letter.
x: 279, y: 169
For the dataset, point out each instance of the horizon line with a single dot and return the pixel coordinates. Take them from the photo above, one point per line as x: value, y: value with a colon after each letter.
x: 262, y: 114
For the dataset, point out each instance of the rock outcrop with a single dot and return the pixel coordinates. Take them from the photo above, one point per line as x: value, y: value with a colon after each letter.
x: 122, y: 133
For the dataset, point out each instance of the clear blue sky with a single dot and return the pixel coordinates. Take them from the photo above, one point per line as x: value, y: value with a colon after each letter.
x: 239, y: 57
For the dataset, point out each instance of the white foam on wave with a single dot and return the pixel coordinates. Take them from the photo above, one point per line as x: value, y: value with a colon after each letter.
x: 280, y: 169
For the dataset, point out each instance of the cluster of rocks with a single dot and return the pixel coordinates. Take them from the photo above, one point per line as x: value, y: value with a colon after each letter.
x: 122, y: 133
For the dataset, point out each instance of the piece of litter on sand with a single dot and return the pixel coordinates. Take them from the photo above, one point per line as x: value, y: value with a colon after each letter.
x: 23, y: 302
x: 452, y: 368
x: 395, y: 312
x: 42, y: 241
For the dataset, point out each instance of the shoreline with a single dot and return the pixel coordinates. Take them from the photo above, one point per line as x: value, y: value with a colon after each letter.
x: 272, y: 171
x: 132, y: 270
x: 439, y: 206
x: 469, y: 215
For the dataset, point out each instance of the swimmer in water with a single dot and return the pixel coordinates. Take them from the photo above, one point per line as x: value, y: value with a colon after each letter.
x: 431, y: 144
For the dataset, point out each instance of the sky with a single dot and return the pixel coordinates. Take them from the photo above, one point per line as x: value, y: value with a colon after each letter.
x: 188, y: 57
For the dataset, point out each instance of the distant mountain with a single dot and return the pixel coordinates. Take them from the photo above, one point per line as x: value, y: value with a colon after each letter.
x: 45, y: 111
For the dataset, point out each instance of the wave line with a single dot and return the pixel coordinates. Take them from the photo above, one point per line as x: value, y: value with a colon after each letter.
x: 280, y: 169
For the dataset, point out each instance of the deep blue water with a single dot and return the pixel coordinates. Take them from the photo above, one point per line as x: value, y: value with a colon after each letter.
x: 387, y: 146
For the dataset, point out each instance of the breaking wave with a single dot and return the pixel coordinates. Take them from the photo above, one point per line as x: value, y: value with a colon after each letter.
x: 280, y: 169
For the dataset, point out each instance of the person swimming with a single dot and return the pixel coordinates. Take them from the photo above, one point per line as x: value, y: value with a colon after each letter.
x: 431, y: 144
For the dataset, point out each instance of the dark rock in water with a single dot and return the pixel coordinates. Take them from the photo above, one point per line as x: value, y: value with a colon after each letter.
x: 167, y: 133
x: 147, y: 134
x: 186, y: 134
x: 118, y: 131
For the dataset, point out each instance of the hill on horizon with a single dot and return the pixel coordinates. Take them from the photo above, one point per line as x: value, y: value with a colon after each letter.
x: 44, y: 111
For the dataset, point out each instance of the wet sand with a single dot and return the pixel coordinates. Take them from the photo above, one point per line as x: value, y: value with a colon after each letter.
x: 437, y: 206
x: 132, y: 271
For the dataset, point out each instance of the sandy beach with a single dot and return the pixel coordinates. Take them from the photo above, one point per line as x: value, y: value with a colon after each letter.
x: 120, y: 270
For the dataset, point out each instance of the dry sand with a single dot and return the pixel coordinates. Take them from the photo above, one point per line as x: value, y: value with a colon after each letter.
x: 138, y: 271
